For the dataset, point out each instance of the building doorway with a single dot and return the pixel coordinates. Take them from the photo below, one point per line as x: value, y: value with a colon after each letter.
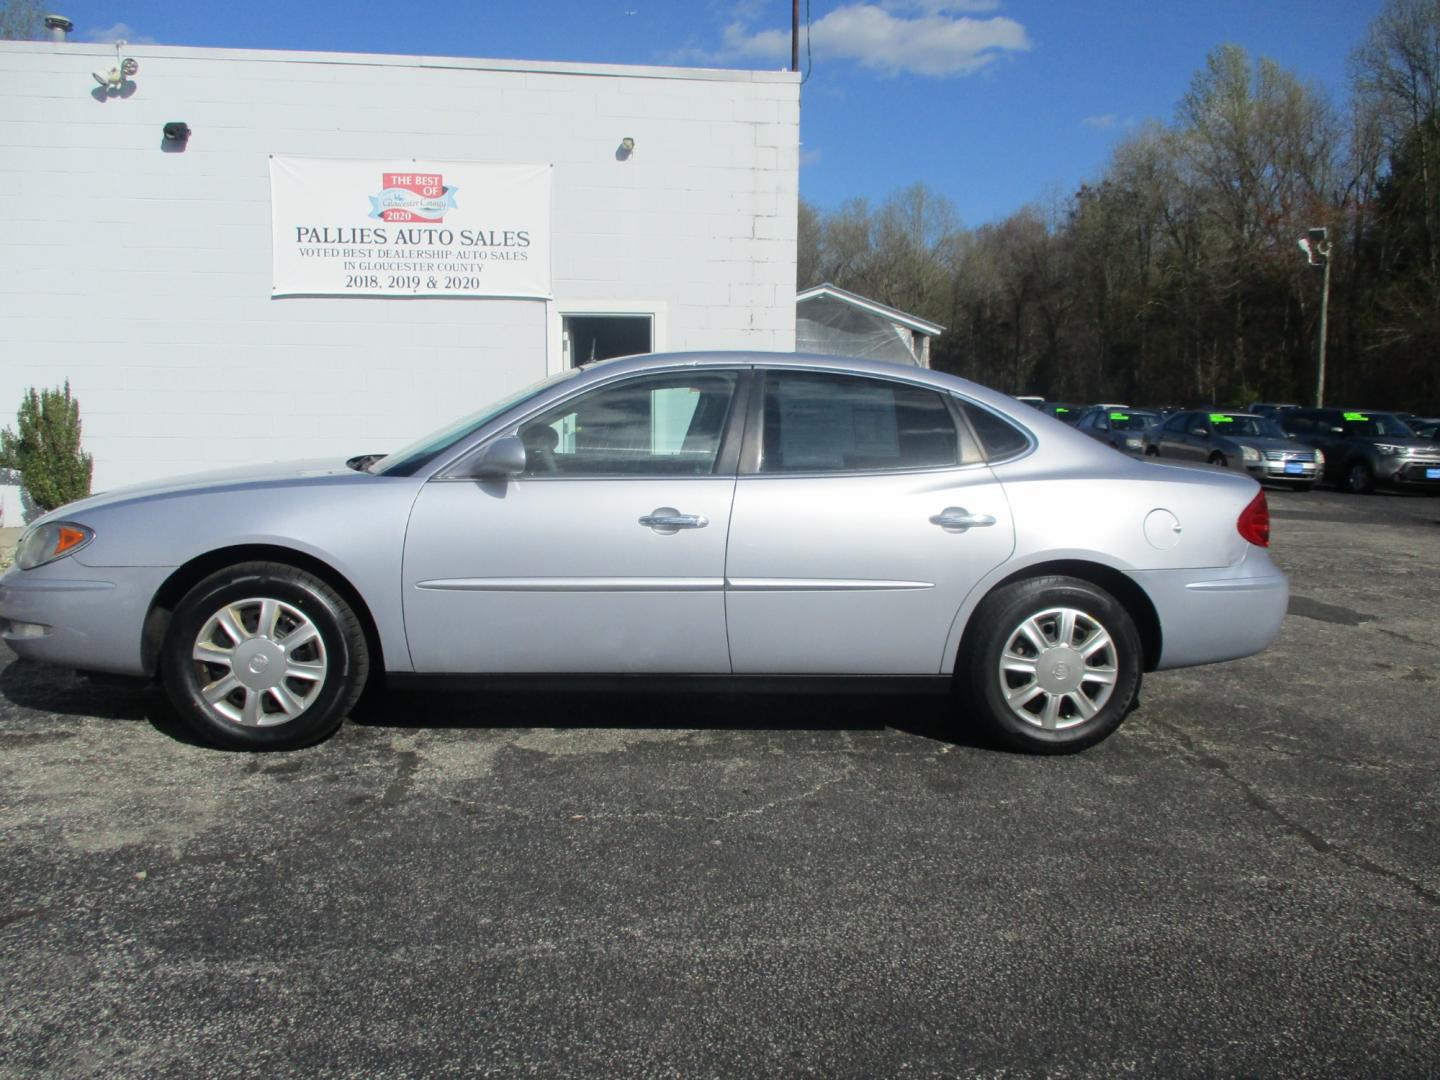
x: 587, y: 338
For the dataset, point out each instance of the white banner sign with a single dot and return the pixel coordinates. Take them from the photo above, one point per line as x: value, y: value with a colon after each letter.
x: 409, y: 228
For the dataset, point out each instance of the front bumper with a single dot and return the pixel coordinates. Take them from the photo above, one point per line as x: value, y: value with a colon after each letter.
x: 1407, y: 472
x: 78, y: 616
x: 1217, y: 614
x: 1304, y: 472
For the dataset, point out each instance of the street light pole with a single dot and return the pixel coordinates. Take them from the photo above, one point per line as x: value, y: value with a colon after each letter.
x: 1316, y: 245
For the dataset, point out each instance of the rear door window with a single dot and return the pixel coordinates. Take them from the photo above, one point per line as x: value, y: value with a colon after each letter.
x: 826, y: 422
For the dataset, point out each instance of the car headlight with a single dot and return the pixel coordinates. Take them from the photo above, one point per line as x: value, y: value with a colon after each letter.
x: 1133, y: 443
x: 53, y: 540
x: 1391, y: 450
x: 1249, y: 453
x: 1319, y: 456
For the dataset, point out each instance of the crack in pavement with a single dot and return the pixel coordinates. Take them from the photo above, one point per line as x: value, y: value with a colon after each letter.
x: 14, y: 917
x: 575, y: 815
x: 1311, y: 838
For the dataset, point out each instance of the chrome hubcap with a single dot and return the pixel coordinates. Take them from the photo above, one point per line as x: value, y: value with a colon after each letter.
x: 260, y: 661
x: 1058, y: 669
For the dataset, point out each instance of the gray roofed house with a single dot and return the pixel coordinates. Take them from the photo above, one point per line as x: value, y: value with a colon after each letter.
x: 836, y: 322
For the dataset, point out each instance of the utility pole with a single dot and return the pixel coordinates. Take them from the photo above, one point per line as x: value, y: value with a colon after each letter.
x: 1316, y: 245
x: 794, y: 35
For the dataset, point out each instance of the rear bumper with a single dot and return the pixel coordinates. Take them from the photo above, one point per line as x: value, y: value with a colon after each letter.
x: 1216, y: 614
x: 79, y: 616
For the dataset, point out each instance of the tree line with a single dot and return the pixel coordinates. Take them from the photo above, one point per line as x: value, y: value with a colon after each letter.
x: 1176, y: 277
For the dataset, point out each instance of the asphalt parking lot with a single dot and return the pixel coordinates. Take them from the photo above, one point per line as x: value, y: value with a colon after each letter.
x: 1245, y: 880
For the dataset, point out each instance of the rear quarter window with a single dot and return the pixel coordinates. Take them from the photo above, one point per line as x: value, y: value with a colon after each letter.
x: 999, y: 438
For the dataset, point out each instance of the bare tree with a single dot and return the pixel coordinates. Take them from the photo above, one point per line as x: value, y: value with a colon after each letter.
x: 21, y: 20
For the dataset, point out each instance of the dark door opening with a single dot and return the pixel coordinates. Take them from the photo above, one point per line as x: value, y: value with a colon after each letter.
x: 599, y: 337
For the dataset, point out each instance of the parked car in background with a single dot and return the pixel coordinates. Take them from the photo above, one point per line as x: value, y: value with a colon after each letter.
x: 1237, y: 441
x: 747, y: 515
x: 1124, y: 429
x: 1269, y: 408
x: 1066, y: 411
x: 1365, y: 449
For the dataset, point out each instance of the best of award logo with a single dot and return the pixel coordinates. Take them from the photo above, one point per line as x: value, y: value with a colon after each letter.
x: 412, y: 197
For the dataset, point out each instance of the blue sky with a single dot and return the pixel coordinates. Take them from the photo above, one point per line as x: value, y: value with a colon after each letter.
x: 993, y: 103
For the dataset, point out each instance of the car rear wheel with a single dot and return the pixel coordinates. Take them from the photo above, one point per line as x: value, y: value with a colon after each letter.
x: 1218, y: 458
x: 1152, y: 451
x: 1359, y: 480
x: 264, y: 656
x: 1054, y: 664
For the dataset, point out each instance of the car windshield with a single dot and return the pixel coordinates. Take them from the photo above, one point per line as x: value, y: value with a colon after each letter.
x: 1131, y: 421
x: 1233, y: 424
x: 407, y: 459
x: 1358, y: 423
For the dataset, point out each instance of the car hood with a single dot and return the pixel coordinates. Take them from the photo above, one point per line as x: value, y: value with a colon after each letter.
x: 1266, y: 442
x: 314, y: 470
x: 1412, y: 441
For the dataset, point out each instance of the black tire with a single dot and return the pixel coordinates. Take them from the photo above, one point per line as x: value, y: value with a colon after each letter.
x: 335, y: 658
x: 1218, y: 458
x: 1359, y: 480
x: 1152, y: 451
x: 999, y: 618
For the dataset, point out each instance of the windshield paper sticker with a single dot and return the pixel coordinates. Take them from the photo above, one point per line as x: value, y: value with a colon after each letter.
x: 1119, y: 416
x: 1356, y: 416
x: 1221, y: 418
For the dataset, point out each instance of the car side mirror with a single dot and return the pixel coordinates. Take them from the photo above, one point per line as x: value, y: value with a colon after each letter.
x: 503, y: 459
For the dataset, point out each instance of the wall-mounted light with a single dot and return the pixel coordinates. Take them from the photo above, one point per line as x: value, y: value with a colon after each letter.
x: 114, y: 80
x: 625, y: 149
x: 176, y: 132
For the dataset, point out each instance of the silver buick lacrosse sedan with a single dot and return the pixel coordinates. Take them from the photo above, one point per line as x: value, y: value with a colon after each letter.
x: 742, y: 516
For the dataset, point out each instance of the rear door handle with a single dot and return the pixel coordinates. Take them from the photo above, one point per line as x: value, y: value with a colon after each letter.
x: 667, y: 520
x: 958, y: 519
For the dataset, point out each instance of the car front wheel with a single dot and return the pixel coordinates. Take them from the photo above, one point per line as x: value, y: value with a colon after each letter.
x: 1359, y: 480
x: 264, y: 656
x: 1054, y: 665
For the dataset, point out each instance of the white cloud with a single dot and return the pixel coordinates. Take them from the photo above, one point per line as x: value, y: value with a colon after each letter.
x: 940, y: 7
x: 882, y: 38
x: 108, y: 35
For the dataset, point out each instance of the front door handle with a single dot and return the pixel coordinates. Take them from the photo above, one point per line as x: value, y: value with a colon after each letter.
x: 958, y: 519
x: 668, y: 520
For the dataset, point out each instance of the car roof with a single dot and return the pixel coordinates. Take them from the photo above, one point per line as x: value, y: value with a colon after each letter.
x: 854, y: 365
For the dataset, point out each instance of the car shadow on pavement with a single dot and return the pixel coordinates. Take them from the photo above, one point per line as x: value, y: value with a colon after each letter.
x: 45, y: 688
x: 931, y: 716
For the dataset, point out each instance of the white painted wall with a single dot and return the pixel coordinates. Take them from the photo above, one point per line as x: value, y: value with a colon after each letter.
x: 144, y: 276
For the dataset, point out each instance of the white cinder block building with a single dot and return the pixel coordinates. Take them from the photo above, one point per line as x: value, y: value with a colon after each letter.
x: 165, y: 277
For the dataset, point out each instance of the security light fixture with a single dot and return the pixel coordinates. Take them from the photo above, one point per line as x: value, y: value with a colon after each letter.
x: 113, y: 80
x: 176, y: 131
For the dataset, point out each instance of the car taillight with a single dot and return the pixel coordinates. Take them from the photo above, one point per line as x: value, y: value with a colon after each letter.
x: 1254, y: 523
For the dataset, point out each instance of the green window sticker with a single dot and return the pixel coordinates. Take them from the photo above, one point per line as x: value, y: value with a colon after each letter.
x: 1221, y: 418
x: 1060, y: 408
x: 1119, y: 416
x: 1356, y: 416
